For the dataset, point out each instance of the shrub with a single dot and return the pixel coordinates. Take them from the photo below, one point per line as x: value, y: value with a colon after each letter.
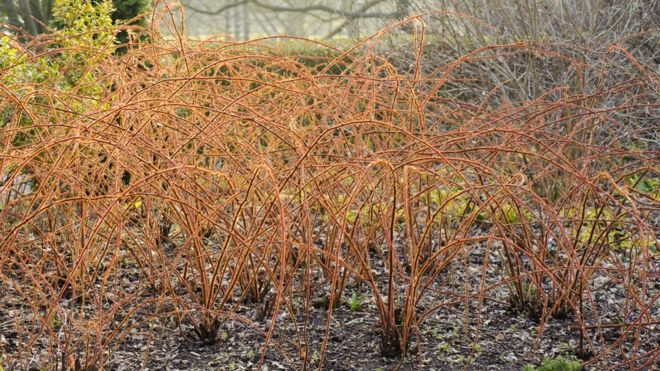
x: 40, y: 14
x: 256, y: 180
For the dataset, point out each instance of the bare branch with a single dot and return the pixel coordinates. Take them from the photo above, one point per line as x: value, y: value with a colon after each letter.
x: 216, y: 11
x: 363, y: 9
x: 302, y: 9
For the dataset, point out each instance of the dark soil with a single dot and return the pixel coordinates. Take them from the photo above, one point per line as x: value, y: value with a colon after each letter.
x: 468, y: 335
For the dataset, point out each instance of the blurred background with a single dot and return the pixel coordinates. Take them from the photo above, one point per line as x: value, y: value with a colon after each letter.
x: 244, y: 19
x: 583, y: 29
x: 579, y: 20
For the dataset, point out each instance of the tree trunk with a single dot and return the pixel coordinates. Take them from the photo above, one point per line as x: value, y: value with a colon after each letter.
x: 12, y: 13
x: 29, y: 24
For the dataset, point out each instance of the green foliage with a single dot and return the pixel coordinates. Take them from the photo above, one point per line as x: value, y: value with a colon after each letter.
x: 601, y: 227
x: 127, y: 10
x: 651, y: 186
x: 56, y: 322
x: 85, y: 35
x: 18, y: 70
x: 355, y: 302
x: 446, y: 348
x: 596, y: 220
x: 453, y: 202
x: 83, y: 24
x: 85, y: 39
x: 647, y: 185
x: 514, y: 214
x: 556, y: 364
x: 36, y: 18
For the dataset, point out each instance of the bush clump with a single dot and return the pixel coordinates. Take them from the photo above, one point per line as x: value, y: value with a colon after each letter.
x: 193, y: 185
